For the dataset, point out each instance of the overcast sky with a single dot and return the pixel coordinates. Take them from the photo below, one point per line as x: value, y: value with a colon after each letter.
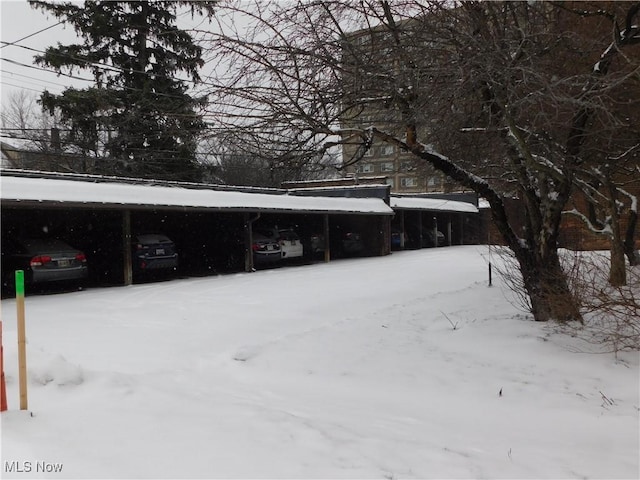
x: 19, y: 20
x: 28, y: 32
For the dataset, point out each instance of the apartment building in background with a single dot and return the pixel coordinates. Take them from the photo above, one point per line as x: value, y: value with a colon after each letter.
x: 371, y: 56
x: 373, y: 61
x: 399, y: 169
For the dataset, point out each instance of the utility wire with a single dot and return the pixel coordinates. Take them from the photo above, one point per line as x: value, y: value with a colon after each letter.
x: 22, y: 87
x: 104, y: 66
x: 16, y: 74
x: 88, y: 64
x: 8, y: 44
x: 14, y: 62
x: 30, y: 84
x: 131, y: 89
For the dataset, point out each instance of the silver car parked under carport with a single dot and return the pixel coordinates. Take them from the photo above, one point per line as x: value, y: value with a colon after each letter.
x: 43, y: 260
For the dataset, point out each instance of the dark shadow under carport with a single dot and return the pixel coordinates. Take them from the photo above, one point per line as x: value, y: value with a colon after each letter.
x: 102, y: 216
x: 412, y: 229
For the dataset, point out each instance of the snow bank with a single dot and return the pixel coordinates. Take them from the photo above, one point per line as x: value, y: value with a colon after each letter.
x: 345, y: 370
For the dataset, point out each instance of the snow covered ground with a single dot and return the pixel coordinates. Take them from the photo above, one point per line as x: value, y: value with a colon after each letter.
x: 345, y: 370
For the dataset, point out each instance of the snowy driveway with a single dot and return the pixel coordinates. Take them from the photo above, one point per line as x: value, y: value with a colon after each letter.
x: 345, y: 370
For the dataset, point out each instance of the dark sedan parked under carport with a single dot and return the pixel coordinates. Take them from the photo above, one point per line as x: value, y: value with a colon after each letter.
x: 154, y: 252
x: 43, y: 260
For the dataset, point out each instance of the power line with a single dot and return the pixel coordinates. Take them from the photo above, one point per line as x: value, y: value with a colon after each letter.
x: 98, y: 141
x: 7, y: 72
x: 97, y: 65
x: 131, y: 89
x: 28, y: 85
x: 14, y: 62
x: 101, y: 65
x: 8, y: 44
x: 89, y: 65
x: 21, y: 87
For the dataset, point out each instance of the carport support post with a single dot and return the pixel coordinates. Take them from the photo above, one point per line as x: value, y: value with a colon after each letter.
x: 449, y: 230
x: 402, y: 229
x: 126, y: 247
x: 385, y: 248
x: 327, y: 245
x: 248, y: 241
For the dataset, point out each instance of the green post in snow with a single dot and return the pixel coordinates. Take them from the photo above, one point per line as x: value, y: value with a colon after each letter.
x: 19, y: 282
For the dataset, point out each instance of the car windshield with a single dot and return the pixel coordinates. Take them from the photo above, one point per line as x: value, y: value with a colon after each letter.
x: 288, y: 235
x: 259, y: 237
x: 46, y: 244
x: 153, y: 238
x: 265, y: 233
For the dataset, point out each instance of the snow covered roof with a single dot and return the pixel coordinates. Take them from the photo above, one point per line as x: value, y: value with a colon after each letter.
x: 28, y: 191
x: 422, y: 203
x: 483, y: 203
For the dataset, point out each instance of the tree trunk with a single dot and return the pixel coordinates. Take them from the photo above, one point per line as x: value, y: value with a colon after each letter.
x: 630, y: 240
x: 617, y: 267
x: 546, y: 284
x: 544, y: 280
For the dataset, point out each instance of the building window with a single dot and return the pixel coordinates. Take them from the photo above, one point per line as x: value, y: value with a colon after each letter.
x: 362, y: 40
x: 432, y: 181
x: 386, y: 167
x: 364, y: 168
x: 408, y: 166
x: 387, y: 150
x: 408, y: 182
x: 368, y: 152
x: 390, y: 182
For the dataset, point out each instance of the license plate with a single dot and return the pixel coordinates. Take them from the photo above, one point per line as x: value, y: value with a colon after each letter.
x: 64, y: 263
x: 159, y: 251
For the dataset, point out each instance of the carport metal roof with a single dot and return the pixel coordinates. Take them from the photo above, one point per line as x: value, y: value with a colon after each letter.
x: 432, y: 204
x: 54, y: 192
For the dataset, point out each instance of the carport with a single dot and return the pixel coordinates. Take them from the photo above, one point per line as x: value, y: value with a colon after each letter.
x: 418, y: 216
x: 105, y: 211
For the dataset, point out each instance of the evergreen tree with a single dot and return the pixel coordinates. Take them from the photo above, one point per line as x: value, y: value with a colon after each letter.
x: 138, y: 116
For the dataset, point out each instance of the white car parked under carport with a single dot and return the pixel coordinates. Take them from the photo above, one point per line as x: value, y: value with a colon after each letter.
x: 289, y: 242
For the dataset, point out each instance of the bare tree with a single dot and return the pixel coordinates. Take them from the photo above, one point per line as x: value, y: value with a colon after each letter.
x: 24, y: 121
x: 41, y: 139
x: 608, y: 202
x: 610, y: 157
x: 240, y: 158
x: 612, y: 312
x: 498, y: 96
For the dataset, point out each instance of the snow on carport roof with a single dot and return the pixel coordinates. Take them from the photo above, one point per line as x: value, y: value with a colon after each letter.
x: 421, y: 203
x: 56, y: 192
